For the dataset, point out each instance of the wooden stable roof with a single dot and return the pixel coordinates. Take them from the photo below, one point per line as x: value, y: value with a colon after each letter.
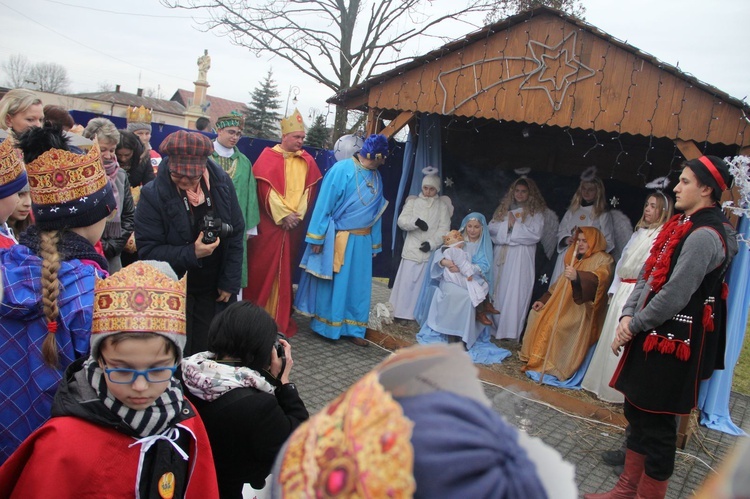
x: 545, y: 67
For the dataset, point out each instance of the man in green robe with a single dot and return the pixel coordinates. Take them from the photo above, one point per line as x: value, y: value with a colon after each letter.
x: 239, y: 168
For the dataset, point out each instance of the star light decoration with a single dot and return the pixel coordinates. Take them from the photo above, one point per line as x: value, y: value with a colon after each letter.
x: 544, y: 279
x: 448, y: 182
x: 614, y: 201
x: 557, y: 68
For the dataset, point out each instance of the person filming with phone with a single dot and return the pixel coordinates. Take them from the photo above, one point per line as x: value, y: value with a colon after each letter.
x: 189, y: 217
x: 242, y: 391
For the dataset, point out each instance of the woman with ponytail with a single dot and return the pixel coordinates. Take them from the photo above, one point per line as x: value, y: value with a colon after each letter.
x: 45, y: 315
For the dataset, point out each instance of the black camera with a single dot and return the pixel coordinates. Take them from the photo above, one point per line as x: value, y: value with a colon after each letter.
x: 213, y: 227
x: 280, y: 353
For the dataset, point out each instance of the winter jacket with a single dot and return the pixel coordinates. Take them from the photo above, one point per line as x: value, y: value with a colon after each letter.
x: 436, y: 213
x: 164, y: 232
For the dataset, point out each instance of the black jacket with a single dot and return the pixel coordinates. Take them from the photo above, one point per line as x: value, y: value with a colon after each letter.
x: 113, y: 246
x: 247, y: 433
x: 142, y: 173
x: 164, y: 232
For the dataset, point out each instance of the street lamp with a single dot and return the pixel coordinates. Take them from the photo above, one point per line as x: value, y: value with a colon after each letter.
x: 292, y: 90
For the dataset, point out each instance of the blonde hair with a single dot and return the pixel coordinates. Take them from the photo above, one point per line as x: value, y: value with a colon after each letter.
x: 102, y: 129
x: 599, y: 201
x: 16, y: 101
x: 534, y: 205
x: 664, y: 205
x: 48, y: 241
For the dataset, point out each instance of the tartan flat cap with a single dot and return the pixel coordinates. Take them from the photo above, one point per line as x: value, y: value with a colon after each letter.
x: 187, y: 152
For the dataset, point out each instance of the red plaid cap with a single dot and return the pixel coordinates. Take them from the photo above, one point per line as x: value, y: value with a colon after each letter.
x: 187, y: 152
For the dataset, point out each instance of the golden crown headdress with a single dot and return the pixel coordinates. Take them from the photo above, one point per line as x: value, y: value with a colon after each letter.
x: 59, y: 176
x: 293, y: 123
x: 11, y: 166
x: 139, y: 115
x: 358, y: 446
x: 139, y: 298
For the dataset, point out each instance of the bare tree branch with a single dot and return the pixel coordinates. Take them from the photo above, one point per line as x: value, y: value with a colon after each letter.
x: 338, y: 43
x: 16, y: 69
x: 50, y: 77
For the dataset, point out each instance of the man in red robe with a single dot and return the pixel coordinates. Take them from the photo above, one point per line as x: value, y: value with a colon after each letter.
x: 287, y: 180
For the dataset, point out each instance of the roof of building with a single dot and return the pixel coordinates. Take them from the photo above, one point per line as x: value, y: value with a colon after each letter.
x: 128, y: 99
x: 544, y: 66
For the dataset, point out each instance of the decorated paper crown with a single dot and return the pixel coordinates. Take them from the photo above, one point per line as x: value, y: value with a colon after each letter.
x: 12, y: 173
x: 143, y: 297
x: 68, y: 189
x: 358, y: 446
x: 139, y: 115
x: 232, y: 119
x: 293, y: 123
x: 452, y: 238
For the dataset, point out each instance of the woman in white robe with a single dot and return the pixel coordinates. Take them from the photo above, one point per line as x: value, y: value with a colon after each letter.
x: 516, y: 228
x: 426, y: 219
x: 587, y: 209
x: 657, y: 210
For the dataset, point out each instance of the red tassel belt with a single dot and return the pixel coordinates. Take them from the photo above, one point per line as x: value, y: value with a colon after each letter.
x: 629, y: 281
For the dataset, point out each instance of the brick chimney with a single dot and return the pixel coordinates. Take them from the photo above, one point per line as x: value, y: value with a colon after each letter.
x: 117, y: 88
x: 139, y: 92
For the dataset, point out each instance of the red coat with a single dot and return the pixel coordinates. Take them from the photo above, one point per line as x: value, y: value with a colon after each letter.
x: 272, y: 254
x: 71, y: 457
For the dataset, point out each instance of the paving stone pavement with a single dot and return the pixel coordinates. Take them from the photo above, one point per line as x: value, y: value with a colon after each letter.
x: 323, y: 369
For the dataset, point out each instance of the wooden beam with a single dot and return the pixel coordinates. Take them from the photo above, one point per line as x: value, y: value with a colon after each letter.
x: 688, y: 149
x: 397, y: 124
x: 357, y: 102
x: 372, y: 122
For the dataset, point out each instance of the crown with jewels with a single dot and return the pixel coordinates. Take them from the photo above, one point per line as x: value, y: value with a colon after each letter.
x: 293, y: 123
x: 139, y: 298
x: 139, y: 115
x: 58, y: 177
x: 11, y: 166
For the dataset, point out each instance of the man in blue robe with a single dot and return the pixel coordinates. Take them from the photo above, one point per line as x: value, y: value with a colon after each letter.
x: 343, y: 237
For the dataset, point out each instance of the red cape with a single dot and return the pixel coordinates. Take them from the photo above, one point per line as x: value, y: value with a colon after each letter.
x: 272, y: 254
x: 70, y: 457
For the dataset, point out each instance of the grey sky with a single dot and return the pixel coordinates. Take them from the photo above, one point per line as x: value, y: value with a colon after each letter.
x: 160, y: 47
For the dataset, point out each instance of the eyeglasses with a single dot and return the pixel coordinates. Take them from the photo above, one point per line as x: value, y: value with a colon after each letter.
x: 233, y: 133
x: 122, y: 376
x: 179, y: 176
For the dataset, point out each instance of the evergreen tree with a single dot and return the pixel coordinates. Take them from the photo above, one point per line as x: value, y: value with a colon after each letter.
x: 261, y: 116
x: 317, y: 134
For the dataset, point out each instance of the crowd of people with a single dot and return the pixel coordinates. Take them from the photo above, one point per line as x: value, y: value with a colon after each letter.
x: 141, y: 292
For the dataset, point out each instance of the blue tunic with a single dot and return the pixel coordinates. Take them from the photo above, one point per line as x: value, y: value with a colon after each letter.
x: 350, y: 199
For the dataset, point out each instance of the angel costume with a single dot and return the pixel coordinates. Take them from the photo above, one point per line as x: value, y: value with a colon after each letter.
x: 604, y: 362
x: 513, y: 267
x: 436, y: 213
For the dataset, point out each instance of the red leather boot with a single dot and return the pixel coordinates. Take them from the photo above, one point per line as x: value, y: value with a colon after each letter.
x: 650, y: 488
x: 627, y: 485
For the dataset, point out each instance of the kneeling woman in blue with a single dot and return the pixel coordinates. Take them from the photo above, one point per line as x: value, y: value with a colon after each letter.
x: 343, y: 237
x: 451, y: 315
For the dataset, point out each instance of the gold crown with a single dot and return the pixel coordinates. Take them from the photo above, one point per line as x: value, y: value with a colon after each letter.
x: 59, y: 176
x: 11, y: 166
x: 139, y: 115
x: 357, y: 446
x: 139, y: 298
x: 293, y: 123
x: 452, y: 237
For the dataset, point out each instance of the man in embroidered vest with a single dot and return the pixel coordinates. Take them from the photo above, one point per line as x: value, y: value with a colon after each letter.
x: 240, y: 170
x: 667, y: 328
x: 287, y: 180
x: 343, y: 237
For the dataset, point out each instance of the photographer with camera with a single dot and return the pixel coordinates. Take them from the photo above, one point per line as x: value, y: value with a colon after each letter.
x: 189, y: 217
x: 242, y: 392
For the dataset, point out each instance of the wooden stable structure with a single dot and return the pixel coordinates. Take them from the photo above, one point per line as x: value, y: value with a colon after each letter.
x: 543, y: 67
